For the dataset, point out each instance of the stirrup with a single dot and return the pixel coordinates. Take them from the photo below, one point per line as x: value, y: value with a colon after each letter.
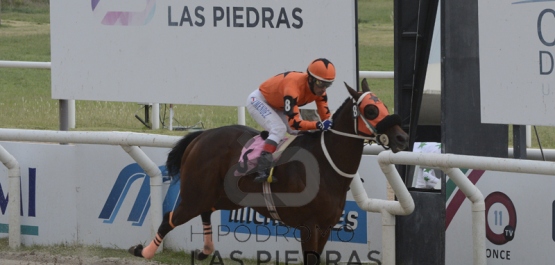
x: 260, y: 179
x: 265, y: 177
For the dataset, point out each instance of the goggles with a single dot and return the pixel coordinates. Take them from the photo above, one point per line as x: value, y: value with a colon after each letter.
x: 322, y: 84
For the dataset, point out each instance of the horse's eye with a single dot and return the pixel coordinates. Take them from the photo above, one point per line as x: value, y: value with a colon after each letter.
x: 371, y: 112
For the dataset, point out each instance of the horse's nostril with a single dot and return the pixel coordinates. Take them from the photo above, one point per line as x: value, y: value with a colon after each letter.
x: 402, y: 138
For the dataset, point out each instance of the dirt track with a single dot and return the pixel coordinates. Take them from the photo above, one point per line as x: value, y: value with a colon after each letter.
x: 40, y: 258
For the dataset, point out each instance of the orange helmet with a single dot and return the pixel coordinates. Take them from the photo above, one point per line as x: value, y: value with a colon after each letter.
x: 322, y: 70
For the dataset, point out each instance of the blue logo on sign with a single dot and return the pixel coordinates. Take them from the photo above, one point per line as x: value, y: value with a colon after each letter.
x: 126, y: 178
x: 31, y: 208
x: 351, y: 227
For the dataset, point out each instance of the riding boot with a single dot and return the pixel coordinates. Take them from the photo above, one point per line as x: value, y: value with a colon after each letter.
x: 264, y: 164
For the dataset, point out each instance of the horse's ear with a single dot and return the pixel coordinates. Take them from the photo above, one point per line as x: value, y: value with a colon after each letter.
x: 365, y: 87
x: 353, y: 92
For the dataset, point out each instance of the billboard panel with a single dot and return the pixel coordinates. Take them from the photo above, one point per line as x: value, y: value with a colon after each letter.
x: 195, y: 52
x: 516, y: 62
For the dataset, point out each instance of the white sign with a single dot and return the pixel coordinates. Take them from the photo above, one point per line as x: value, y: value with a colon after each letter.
x: 195, y: 52
x: 520, y: 223
x: 517, y: 84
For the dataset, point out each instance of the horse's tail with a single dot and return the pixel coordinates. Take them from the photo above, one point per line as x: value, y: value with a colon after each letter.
x: 173, y: 163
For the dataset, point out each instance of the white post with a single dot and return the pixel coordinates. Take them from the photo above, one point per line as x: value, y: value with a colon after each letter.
x: 528, y: 136
x: 388, y: 209
x: 14, y: 202
x: 155, y: 116
x: 63, y: 114
x: 171, y: 118
x: 155, y: 174
x: 71, y: 113
x: 388, y: 238
x: 241, y: 115
x: 478, y: 213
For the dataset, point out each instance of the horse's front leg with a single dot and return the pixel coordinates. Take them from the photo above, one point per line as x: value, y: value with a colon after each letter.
x: 313, y: 239
x: 208, y: 243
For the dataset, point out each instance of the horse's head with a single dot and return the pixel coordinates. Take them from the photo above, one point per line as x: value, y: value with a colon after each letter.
x: 372, y: 119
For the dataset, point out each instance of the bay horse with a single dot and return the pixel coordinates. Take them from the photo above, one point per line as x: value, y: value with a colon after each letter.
x: 207, y: 159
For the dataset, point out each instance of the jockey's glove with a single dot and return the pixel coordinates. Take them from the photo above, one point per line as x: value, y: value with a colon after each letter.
x: 324, y: 125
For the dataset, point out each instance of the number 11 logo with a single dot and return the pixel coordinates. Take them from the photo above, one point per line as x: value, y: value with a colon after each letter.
x: 500, y: 218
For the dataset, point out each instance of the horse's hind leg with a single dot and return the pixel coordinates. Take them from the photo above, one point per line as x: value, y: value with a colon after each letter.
x: 207, y: 231
x: 149, y: 251
x: 169, y: 222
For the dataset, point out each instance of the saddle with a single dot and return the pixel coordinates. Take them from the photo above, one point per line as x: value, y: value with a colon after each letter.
x: 248, y: 160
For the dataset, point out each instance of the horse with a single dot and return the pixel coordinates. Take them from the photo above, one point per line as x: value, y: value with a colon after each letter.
x: 320, y: 165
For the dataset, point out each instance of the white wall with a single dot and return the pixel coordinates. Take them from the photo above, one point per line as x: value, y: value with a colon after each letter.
x: 533, y: 200
x: 73, y: 183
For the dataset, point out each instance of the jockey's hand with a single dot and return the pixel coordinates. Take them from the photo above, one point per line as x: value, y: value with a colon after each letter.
x: 324, y: 125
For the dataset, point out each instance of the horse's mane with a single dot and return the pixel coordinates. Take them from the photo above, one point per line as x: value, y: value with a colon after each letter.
x: 335, y: 114
x: 173, y: 163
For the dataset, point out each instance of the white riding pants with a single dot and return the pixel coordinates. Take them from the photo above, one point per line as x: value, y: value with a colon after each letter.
x: 272, y: 120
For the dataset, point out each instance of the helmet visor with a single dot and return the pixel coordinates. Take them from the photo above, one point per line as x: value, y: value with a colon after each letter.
x: 322, y: 84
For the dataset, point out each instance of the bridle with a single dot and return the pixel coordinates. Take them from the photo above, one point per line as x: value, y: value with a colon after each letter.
x: 380, y: 139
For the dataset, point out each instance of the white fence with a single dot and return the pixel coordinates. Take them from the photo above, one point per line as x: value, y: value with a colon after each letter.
x: 127, y: 140
x: 130, y: 142
x: 449, y: 163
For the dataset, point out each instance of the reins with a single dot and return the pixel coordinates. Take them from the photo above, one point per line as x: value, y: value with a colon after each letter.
x: 328, y: 157
x: 369, y: 138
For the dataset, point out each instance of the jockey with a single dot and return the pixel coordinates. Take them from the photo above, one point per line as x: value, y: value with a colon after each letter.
x: 275, y: 106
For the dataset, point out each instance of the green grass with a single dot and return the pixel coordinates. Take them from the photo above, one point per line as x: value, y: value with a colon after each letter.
x: 375, y: 12
x: 39, y: 16
x: 375, y: 39
x: 29, y: 47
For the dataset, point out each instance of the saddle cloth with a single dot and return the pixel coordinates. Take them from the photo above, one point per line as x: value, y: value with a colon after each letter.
x: 251, y: 152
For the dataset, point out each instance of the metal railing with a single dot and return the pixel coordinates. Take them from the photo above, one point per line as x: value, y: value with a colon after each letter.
x: 129, y: 141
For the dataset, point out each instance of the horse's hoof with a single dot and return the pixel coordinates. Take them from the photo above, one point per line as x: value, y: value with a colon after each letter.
x: 199, y: 255
x: 136, y: 250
